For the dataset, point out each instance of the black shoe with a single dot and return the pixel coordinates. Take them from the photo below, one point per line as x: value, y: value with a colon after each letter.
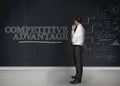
x: 75, y: 81
x: 73, y: 77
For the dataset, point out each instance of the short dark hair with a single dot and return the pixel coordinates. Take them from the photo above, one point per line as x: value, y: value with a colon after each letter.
x: 78, y: 19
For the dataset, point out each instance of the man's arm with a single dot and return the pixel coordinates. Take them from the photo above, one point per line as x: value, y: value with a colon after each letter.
x: 79, y: 34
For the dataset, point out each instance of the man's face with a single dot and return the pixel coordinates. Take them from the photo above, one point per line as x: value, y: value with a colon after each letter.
x: 75, y: 22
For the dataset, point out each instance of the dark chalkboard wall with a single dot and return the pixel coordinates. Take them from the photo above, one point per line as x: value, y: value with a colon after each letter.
x: 101, y: 20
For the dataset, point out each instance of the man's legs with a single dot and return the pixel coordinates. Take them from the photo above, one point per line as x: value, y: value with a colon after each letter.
x: 78, y: 60
x: 77, y: 57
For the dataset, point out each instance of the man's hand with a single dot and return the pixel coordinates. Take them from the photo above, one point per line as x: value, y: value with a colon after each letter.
x: 73, y: 27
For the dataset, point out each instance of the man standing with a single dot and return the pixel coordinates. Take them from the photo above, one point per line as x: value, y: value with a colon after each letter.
x: 77, y: 38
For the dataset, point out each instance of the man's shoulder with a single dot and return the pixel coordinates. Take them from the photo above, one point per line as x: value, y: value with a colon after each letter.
x: 80, y: 26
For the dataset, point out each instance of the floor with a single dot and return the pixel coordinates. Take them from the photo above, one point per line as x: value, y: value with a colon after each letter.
x: 57, y: 77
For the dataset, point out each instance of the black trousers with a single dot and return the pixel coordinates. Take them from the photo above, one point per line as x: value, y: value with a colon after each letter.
x: 77, y: 57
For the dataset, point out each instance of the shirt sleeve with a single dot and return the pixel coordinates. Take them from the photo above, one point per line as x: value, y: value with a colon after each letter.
x: 72, y: 33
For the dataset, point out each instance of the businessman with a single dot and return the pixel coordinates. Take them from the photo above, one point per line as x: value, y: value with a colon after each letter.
x: 77, y: 38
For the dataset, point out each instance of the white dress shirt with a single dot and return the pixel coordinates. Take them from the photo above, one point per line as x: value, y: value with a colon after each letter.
x: 78, y: 36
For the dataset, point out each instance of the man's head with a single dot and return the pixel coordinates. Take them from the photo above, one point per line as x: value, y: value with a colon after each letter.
x: 78, y: 20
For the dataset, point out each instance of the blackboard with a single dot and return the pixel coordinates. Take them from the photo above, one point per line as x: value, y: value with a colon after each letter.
x: 101, y: 20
